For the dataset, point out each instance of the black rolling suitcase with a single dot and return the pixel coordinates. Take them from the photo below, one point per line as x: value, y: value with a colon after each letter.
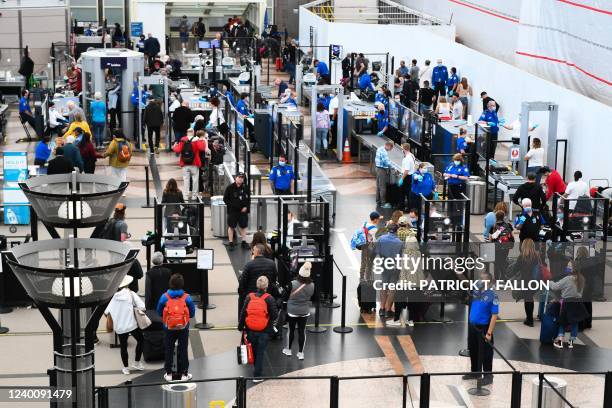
x: 153, y: 348
x: 366, y: 296
x: 394, y: 195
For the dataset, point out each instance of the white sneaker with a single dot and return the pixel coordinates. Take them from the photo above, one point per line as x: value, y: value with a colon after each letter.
x: 125, y: 371
x: 186, y: 377
x: 258, y: 380
x: 393, y: 323
x: 300, y: 355
x: 287, y: 352
x: 138, y: 366
x: 168, y: 377
x: 410, y: 323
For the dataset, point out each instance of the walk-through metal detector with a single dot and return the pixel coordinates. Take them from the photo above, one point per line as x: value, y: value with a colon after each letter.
x: 338, y: 92
x: 144, y: 81
x: 551, y: 141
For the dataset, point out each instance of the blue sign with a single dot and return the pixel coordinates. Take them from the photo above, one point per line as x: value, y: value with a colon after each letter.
x: 16, y: 209
x: 136, y: 29
x: 113, y: 62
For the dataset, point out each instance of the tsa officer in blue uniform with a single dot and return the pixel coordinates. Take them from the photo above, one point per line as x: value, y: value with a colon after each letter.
x: 439, y: 77
x: 243, y: 105
x: 281, y: 177
x: 452, y: 82
x: 484, y: 309
x: 457, y: 174
x: 365, y: 81
x: 322, y: 70
x: 382, y: 119
x: 381, y: 97
x: 489, y: 117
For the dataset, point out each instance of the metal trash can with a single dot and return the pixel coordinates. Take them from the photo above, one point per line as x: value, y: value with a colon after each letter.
x: 476, y: 187
x: 182, y: 395
x: 550, y: 399
x: 84, y: 375
x: 218, y: 216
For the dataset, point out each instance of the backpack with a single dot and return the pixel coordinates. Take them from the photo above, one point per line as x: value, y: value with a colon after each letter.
x: 257, y: 312
x: 187, y: 152
x: 124, y: 153
x: 111, y: 231
x: 502, y: 234
x: 360, y: 237
x: 176, y: 312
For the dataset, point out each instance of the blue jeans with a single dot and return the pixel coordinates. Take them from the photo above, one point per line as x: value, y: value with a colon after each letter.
x: 424, y: 108
x: 322, y: 139
x: 290, y: 68
x: 178, y: 135
x: 573, y: 330
x: 535, y: 169
x: 182, y: 359
x: 259, y: 341
x: 98, y: 132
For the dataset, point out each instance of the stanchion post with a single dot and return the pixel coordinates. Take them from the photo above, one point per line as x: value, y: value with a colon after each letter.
x: 241, y: 389
x: 608, y: 390
x: 424, y: 394
x: 204, y: 304
x: 540, y: 390
x: 404, y: 391
x: 342, y: 328
x: 130, y: 394
x: 102, y: 397
x: 316, y: 328
x: 517, y: 382
x: 147, y: 193
x: 334, y: 392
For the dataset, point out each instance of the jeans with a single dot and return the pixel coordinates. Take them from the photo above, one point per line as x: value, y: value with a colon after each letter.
x: 115, y: 118
x: 573, y: 330
x: 423, y: 108
x: 464, y: 101
x: 98, y: 132
x: 290, y: 68
x: 300, y: 322
x: 259, y: 341
x: 119, y: 172
x: 123, y: 343
x: 178, y: 135
x: 534, y: 170
x: 190, y: 173
x: 321, y: 139
x: 182, y: 359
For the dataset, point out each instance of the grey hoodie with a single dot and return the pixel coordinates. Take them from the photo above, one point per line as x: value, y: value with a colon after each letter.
x: 299, y: 302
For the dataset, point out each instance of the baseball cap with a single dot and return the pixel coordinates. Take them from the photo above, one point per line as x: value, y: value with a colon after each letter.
x: 240, y: 174
x: 374, y: 215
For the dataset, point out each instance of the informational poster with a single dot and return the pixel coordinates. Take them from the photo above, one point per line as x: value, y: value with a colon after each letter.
x: 515, y: 153
x: 16, y: 210
x: 136, y: 28
x: 206, y: 259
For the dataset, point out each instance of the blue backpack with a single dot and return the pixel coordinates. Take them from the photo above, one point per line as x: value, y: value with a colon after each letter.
x: 359, y: 238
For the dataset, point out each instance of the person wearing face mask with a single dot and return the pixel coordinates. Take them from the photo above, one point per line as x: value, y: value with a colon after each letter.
x: 528, y: 222
x: 422, y: 184
x: 383, y: 164
x: 489, y: 118
x: 281, y: 177
x: 381, y: 97
x: 408, y: 169
x: 382, y: 119
x: 456, y: 175
x: 243, y: 105
x: 531, y: 190
x: 439, y: 77
x: 572, y: 311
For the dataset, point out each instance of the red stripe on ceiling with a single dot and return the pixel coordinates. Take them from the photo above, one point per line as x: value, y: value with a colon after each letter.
x: 584, y: 6
x: 461, y: 3
x: 569, y: 64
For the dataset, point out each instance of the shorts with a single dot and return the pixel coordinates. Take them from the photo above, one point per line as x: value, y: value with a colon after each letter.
x: 237, y: 218
x: 390, y: 275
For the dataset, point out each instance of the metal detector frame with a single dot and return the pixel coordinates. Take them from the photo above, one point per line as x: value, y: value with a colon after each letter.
x: 153, y: 80
x: 553, y: 118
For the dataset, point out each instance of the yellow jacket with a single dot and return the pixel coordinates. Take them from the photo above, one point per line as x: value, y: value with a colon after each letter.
x: 83, y: 125
x: 112, y: 153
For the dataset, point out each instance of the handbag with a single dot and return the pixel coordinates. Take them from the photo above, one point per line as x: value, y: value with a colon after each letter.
x: 109, y: 324
x: 245, y: 351
x: 142, y: 320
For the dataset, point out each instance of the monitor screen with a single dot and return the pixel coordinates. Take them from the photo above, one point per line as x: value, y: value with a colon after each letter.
x: 394, y: 109
x: 204, y: 45
x: 416, y: 127
x: 404, y: 128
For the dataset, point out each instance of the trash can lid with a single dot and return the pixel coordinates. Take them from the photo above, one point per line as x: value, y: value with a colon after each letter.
x: 555, y: 381
x: 181, y: 387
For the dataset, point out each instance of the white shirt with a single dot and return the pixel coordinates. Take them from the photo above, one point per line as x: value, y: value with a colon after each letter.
x: 425, y: 75
x: 516, y: 129
x: 215, y: 116
x: 175, y: 104
x: 457, y: 110
x: 408, y: 164
x: 121, y: 309
x: 535, y: 157
x: 574, y: 190
x: 54, y: 115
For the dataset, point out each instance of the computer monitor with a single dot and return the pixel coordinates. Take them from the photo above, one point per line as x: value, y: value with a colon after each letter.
x: 416, y: 127
x: 405, y: 123
x: 205, y: 45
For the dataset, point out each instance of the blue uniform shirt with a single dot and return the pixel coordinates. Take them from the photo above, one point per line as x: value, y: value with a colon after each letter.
x: 422, y: 183
x: 325, y: 100
x: 460, y: 170
x: 242, y: 107
x: 452, y: 81
x: 382, y: 99
x: 461, y: 144
x: 439, y: 75
x: 382, y: 158
x: 382, y: 120
x: 230, y: 97
x: 24, y: 106
x: 490, y: 117
x: 484, y: 305
x: 365, y: 81
x: 322, y: 68
x: 281, y: 177
x: 291, y: 101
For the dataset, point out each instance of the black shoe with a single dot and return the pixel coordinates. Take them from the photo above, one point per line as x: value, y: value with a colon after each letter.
x: 229, y: 245
x: 470, y: 377
x: 245, y: 245
x: 382, y: 312
x: 487, y: 380
x: 96, y: 340
x: 528, y: 322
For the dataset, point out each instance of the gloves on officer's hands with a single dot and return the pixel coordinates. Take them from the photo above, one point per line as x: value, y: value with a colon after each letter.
x: 369, y: 121
x: 400, y: 181
x: 380, y: 133
x: 491, y: 124
x: 502, y: 121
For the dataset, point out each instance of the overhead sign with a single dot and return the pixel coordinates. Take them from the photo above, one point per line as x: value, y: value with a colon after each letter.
x: 113, y: 62
x: 515, y: 153
x: 136, y: 29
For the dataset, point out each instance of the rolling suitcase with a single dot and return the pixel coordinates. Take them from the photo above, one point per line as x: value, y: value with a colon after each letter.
x: 549, y: 327
x: 279, y: 63
x: 366, y: 296
x: 153, y: 348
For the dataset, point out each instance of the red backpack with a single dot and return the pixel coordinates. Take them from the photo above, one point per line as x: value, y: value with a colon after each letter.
x: 257, y: 312
x: 176, y: 312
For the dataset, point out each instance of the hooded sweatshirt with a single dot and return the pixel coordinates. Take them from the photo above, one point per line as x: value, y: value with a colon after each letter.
x: 175, y: 293
x: 121, y: 309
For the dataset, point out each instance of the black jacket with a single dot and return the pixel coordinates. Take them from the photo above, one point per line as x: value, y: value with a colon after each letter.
x: 272, y: 311
x: 236, y: 198
x: 153, y: 116
x: 59, y: 165
x: 182, y: 118
x: 409, y: 90
x: 534, y: 192
x: 531, y: 227
x: 253, y: 269
x: 216, y: 155
x: 151, y: 46
x: 156, y: 284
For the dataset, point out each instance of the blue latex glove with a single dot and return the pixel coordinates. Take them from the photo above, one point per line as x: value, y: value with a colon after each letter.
x: 369, y: 121
x: 502, y: 121
x: 450, y: 93
x: 536, y: 125
x: 436, y: 195
x: 332, y: 122
x: 521, y: 220
x: 380, y: 133
x: 400, y: 182
x: 251, y: 115
x: 209, y: 125
x: 491, y: 123
x: 419, y: 178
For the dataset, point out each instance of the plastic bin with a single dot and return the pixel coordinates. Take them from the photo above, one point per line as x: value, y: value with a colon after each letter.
x: 476, y: 188
x: 218, y: 217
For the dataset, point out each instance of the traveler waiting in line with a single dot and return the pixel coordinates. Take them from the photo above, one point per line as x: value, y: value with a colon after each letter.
x: 183, y: 32
x: 427, y: 97
x: 181, y: 121
x: 42, y: 152
x: 156, y: 281
x: 78, y: 123
x: 173, y: 195
x: 216, y: 119
x: 414, y: 71
x: 176, y: 309
x: 72, y: 153
x: 259, y: 237
x: 367, y: 250
x: 298, y: 309
x: 529, y: 222
x: 407, y: 299
x: 464, y: 90
x: 489, y: 218
x: 410, y: 89
x: 443, y: 109
x: 575, y: 190
x: 484, y: 309
x: 151, y: 49
x: 237, y: 199
x: 394, y: 220
x: 88, y: 154
x: 531, y: 190
x: 73, y: 110
x: 425, y: 75
x: 408, y: 168
x: 98, y: 119
x: 259, y: 265
x: 322, y: 130
x: 256, y: 318
x: 121, y: 310
x: 501, y: 233
x: 388, y: 246
x: 456, y: 175
x: 528, y: 260
x: 119, y: 153
x: 456, y: 107
x: 572, y: 311
x: 281, y: 177
x: 553, y: 181
x: 189, y: 149
x: 59, y: 164
x: 535, y: 157
x: 383, y: 166
x: 57, y: 122
x: 154, y: 119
